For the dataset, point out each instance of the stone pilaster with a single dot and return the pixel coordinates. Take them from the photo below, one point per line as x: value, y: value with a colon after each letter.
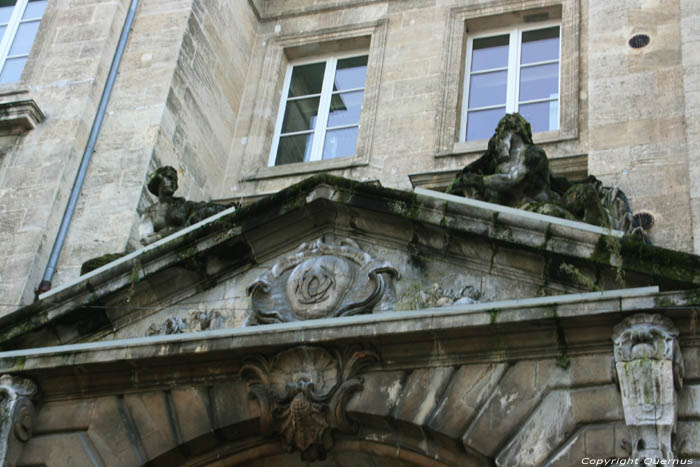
x: 649, y: 370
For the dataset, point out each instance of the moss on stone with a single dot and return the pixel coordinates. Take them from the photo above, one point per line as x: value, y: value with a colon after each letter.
x: 95, y: 263
x: 578, y: 277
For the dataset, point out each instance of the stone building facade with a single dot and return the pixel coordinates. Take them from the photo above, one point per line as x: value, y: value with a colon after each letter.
x: 459, y: 332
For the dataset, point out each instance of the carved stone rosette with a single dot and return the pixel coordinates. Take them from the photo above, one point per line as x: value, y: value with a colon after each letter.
x: 302, y: 393
x: 16, y: 413
x: 649, y: 371
x: 322, y: 280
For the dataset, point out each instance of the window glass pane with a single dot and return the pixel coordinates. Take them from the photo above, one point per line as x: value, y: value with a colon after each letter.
x: 490, y: 52
x: 24, y: 38
x: 6, y: 11
x: 540, y: 45
x: 539, y: 82
x: 482, y: 123
x: 340, y: 143
x: 350, y: 73
x: 12, y: 70
x: 35, y: 8
x: 307, y: 79
x: 542, y: 116
x: 345, y: 108
x: 2, y: 31
x: 295, y: 148
x: 300, y: 115
x: 488, y: 89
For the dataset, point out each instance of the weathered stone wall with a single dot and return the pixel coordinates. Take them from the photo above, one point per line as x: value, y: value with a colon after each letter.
x: 631, y: 102
x: 107, y: 206
x: 65, y: 76
x: 636, y: 111
x: 690, y: 39
x: 200, y: 85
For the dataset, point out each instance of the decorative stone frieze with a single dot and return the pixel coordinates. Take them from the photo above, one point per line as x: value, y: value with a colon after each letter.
x: 302, y: 392
x: 16, y: 413
x: 322, y: 280
x: 197, y: 321
x: 649, y: 370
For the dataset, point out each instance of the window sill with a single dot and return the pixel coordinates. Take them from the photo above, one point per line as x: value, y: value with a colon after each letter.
x: 481, y: 145
x: 18, y: 113
x: 300, y: 168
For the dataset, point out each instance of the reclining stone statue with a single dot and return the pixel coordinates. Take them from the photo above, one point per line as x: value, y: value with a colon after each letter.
x: 515, y: 172
x: 171, y: 213
x: 168, y: 215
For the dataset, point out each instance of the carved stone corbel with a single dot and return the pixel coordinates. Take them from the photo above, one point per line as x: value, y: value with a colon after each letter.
x: 302, y: 392
x: 16, y: 413
x: 649, y: 371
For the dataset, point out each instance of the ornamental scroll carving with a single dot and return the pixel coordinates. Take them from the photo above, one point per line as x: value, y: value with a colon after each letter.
x: 649, y: 370
x: 322, y: 280
x: 302, y: 393
x: 16, y: 414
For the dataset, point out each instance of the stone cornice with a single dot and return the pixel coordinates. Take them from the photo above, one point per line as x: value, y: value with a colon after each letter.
x: 547, y: 327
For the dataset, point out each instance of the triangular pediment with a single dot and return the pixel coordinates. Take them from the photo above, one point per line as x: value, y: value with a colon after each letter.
x: 386, y: 250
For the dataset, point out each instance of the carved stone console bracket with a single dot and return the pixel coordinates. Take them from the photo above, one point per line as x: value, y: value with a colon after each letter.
x: 16, y: 413
x: 322, y: 280
x: 302, y: 393
x: 649, y: 370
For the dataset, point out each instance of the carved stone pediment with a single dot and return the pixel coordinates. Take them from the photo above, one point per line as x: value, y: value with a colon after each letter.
x: 302, y: 394
x: 16, y: 414
x: 322, y: 280
x: 649, y: 370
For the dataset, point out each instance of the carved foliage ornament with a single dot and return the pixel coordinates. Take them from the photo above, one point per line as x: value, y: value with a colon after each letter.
x: 16, y: 413
x: 302, y: 394
x: 649, y: 370
x: 322, y: 280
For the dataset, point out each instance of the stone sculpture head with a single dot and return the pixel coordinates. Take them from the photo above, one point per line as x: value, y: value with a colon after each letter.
x: 163, y: 182
x: 513, y: 134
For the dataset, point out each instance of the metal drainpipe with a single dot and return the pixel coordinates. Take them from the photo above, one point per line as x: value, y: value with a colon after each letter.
x: 45, y: 284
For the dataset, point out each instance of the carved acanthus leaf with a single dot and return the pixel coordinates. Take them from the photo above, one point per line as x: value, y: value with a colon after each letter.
x: 302, y: 393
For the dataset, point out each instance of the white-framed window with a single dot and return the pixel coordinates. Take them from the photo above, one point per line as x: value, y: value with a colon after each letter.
x: 319, y: 115
x: 19, y: 23
x: 513, y: 70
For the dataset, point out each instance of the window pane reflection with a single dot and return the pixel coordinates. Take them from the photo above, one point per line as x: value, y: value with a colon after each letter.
x: 488, y: 89
x: 295, y: 148
x: 300, y: 115
x: 350, y: 73
x: 6, y: 11
x: 345, y: 108
x: 12, y: 71
x: 340, y: 143
x: 482, y: 123
x: 24, y: 38
x: 490, y: 52
x: 543, y: 116
x: 539, y: 82
x: 540, y: 45
x: 35, y: 9
x: 307, y: 79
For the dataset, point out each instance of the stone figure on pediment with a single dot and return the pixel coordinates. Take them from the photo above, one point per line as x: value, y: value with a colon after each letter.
x: 515, y: 172
x: 171, y: 213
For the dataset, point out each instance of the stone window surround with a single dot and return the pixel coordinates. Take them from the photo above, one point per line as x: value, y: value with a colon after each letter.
x: 278, y: 52
x: 19, y: 112
x: 454, y: 55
